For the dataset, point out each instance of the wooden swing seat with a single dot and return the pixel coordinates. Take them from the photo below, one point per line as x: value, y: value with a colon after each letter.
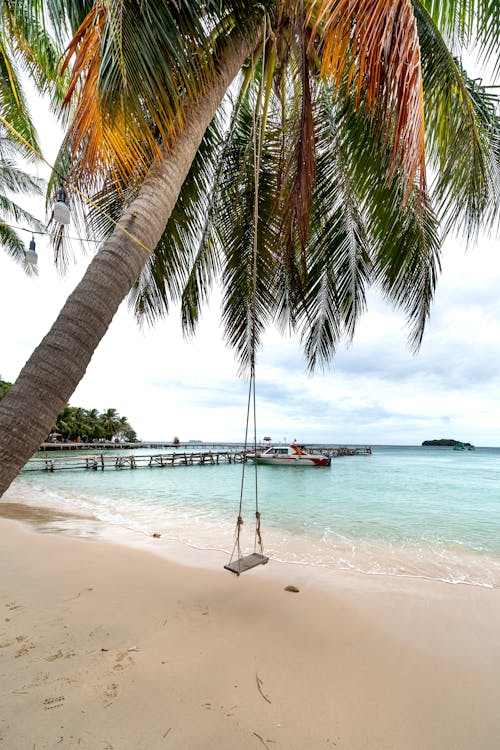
x: 246, y: 563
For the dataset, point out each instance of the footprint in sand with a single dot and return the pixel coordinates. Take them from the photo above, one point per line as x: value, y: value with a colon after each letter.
x: 58, y: 655
x: 55, y: 702
x: 122, y: 661
x: 109, y: 694
x: 25, y: 649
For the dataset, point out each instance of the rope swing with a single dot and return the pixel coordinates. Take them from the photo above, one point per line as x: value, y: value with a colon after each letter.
x: 239, y: 563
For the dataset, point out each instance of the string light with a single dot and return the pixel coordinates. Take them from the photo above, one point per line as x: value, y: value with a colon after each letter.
x: 30, y: 254
x: 61, y: 210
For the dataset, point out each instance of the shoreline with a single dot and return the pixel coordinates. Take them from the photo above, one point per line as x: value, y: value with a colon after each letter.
x: 106, y: 645
x: 210, y: 545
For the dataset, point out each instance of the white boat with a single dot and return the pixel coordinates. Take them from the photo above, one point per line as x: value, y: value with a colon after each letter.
x: 291, y: 455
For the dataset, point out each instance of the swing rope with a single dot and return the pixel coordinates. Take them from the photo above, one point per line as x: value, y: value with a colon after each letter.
x: 251, y: 403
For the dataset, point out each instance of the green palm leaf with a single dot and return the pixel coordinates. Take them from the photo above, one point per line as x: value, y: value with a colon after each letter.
x: 462, y: 127
x: 247, y: 312
x: 176, y: 268
x: 14, y: 106
x: 339, y: 263
x: 472, y: 21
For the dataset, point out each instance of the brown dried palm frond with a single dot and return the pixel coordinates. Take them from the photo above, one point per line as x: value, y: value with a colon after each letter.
x: 374, y: 46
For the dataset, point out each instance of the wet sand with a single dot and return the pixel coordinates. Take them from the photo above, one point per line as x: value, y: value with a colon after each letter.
x: 106, y: 646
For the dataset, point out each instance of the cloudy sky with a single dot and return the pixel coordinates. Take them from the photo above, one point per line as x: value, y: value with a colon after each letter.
x: 376, y: 392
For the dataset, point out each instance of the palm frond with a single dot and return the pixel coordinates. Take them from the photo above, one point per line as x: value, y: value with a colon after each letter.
x: 14, y: 106
x: 463, y: 126
x: 473, y: 22
x: 11, y: 211
x: 63, y: 17
x: 34, y: 47
x: 176, y: 268
x: 135, y: 67
x: 375, y: 44
x: 339, y: 263
x: 245, y: 314
x: 406, y: 254
x: 14, y: 180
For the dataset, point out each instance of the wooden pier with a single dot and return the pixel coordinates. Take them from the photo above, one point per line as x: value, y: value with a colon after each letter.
x: 101, y: 460
x: 345, y: 450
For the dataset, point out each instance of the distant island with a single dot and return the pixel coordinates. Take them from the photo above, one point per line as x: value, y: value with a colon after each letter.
x: 446, y: 441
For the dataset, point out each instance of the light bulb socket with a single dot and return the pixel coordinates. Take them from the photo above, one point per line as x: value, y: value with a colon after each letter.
x: 30, y: 255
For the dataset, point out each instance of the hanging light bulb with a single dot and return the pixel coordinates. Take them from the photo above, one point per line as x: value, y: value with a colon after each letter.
x: 61, y: 210
x: 30, y: 254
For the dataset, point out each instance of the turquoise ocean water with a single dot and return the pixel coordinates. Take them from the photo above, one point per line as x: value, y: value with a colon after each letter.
x: 404, y: 511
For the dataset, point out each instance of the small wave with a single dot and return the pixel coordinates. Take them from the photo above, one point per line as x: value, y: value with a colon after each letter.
x: 198, y: 523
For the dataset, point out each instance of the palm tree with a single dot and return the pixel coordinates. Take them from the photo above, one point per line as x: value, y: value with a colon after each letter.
x: 65, y: 424
x: 74, y: 422
x: 110, y: 422
x: 341, y: 166
x: 24, y: 45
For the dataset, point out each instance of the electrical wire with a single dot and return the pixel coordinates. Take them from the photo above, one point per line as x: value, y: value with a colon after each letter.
x: 48, y: 234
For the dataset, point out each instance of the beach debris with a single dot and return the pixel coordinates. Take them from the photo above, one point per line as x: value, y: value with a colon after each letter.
x: 104, y: 649
x: 156, y: 535
x: 259, y: 687
x: 133, y: 648
x: 293, y: 589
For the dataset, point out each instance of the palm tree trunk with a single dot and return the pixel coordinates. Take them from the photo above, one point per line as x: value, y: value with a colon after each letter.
x: 57, y: 365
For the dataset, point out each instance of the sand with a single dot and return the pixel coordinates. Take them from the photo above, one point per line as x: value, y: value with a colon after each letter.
x: 106, y: 646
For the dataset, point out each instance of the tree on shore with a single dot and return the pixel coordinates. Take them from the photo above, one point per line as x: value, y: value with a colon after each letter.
x: 88, y: 424
x: 335, y: 99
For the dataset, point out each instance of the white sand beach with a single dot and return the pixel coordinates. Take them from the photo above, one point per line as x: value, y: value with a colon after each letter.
x: 105, y: 646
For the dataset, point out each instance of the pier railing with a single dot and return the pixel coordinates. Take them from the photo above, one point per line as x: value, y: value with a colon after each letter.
x: 102, y: 461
